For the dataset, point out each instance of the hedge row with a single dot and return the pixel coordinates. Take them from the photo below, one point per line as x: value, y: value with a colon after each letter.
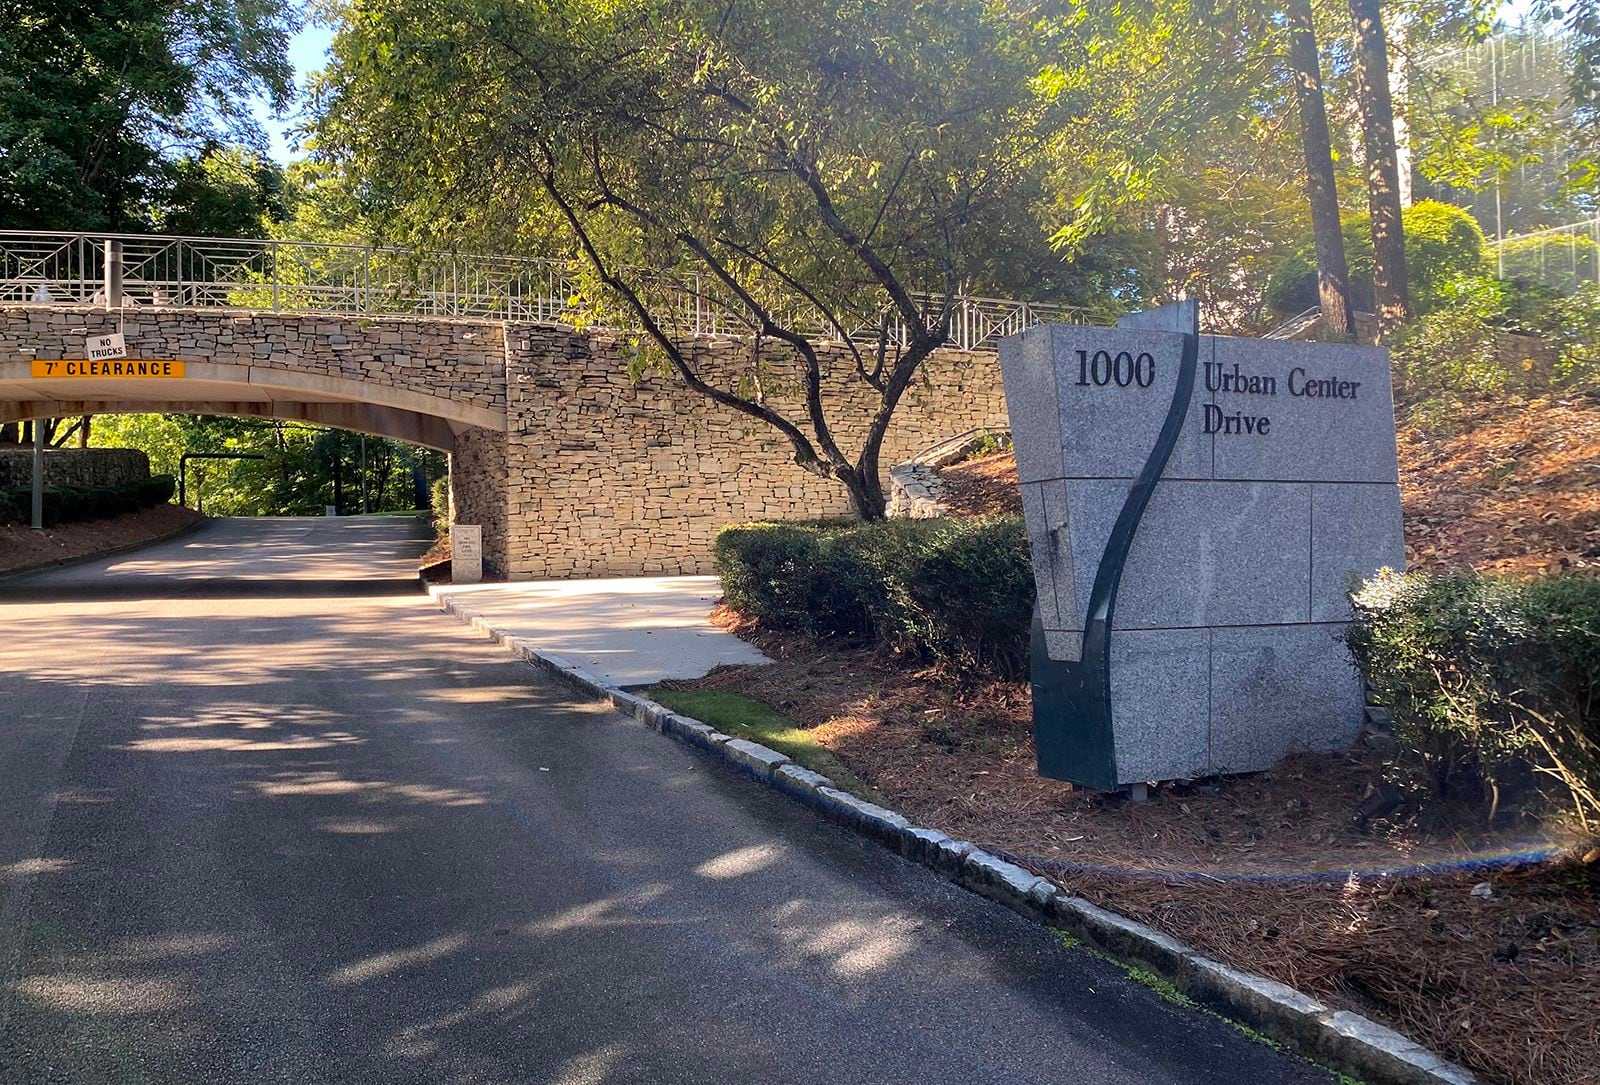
x: 67, y: 504
x: 1494, y: 684
x: 956, y: 591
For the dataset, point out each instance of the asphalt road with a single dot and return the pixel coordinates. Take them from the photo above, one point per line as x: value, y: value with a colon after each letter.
x: 265, y: 816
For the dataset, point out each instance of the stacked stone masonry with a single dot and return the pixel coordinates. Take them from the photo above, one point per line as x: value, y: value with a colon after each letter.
x: 613, y: 476
x: 596, y: 473
x: 83, y: 468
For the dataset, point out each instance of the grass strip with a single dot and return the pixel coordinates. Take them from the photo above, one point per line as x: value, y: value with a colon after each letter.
x: 745, y: 717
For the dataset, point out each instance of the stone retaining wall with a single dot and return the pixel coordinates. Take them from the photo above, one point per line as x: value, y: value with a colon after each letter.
x: 85, y: 468
x: 608, y: 476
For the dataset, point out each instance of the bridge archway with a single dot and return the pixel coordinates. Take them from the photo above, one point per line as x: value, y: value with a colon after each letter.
x: 251, y: 391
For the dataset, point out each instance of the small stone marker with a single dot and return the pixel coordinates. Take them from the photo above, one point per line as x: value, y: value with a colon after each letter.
x: 466, y: 553
x: 1198, y: 508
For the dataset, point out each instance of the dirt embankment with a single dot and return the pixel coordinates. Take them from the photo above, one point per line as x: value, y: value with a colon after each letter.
x: 1511, y: 487
x: 22, y: 548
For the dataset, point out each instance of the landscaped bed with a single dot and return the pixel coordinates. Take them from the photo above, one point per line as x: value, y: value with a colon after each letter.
x: 1391, y: 878
x: 22, y: 548
x: 1494, y: 965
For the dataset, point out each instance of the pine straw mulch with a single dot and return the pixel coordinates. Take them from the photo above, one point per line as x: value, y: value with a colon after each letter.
x: 22, y: 548
x: 434, y: 566
x: 1512, y: 486
x: 1254, y: 870
x: 981, y: 485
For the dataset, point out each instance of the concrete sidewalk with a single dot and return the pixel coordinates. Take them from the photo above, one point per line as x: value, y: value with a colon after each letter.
x: 630, y: 631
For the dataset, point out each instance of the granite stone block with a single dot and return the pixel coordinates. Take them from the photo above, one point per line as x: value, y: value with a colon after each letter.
x: 1045, y: 543
x: 1064, y: 645
x: 1159, y: 702
x: 754, y: 757
x: 1277, y: 690
x: 1206, y: 553
x: 1050, y: 546
x: 1316, y: 438
x: 1106, y: 431
x: 1356, y: 530
x: 1027, y: 368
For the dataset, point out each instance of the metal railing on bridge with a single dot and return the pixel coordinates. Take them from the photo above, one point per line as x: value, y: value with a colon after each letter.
x: 1561, y: 257
x: 367, y: 280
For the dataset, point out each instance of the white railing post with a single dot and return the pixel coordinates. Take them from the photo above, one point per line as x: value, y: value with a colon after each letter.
x: 272, y: 258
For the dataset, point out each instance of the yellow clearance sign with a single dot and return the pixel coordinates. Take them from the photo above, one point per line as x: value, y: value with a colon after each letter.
x: 147, y: 368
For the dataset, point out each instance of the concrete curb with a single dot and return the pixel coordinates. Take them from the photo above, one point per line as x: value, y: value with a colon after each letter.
x: 80, y: 559
x: 1344, y: 1040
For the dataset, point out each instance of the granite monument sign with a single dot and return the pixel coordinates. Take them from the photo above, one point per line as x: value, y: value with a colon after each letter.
x: 1198, y: 508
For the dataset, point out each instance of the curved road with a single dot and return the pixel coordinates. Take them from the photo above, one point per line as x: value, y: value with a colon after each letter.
x: 268, y: 817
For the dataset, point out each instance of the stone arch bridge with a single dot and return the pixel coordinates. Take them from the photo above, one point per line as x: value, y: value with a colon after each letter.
x: 571, y: 466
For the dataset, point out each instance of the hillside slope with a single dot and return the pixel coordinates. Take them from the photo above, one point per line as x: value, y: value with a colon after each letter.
x: 1515, y: 487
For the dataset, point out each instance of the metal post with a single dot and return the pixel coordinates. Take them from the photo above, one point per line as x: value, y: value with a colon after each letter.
x: 113, y: 275
x: 38, y: 474
x: 363, y: 474
x: 274, y: 253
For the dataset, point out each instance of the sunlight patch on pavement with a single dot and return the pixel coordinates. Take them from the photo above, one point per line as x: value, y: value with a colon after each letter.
x: 384, y: 964
x: 739, y: 862
x: 121, y: 997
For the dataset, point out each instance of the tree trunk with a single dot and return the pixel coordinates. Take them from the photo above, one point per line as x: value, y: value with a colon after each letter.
x: 866, y: 493
x: 1383, y: 171
x: 1333, y: 273
x: 83, y: 430
x: 420, y: 490
x: 338, y: 476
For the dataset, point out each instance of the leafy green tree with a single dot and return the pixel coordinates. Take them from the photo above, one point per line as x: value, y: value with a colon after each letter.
x: 814, y: 165
x: 1580, y: 20
x: 1443, y: 243
x: 221, y: 192
x: 303, y: 468
x: 97, y: 99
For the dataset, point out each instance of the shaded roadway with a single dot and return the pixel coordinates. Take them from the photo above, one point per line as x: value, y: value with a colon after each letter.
x: 267, y: 817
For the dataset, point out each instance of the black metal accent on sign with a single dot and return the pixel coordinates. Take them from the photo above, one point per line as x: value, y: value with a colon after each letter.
x: 1079, y: 694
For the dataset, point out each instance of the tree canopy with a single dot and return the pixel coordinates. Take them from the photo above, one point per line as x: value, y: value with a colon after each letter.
x: 107, y: 109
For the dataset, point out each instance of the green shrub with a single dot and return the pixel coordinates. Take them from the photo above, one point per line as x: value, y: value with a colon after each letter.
x: 108, y: 501
x: 70, y: 504
x: 156, y: 490
x: 439, y: 505
x: 959, y: 592
x: 1494, y: 684
x: 770, y: 572
x: 1571, y: 324
x: 1443, y: 242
